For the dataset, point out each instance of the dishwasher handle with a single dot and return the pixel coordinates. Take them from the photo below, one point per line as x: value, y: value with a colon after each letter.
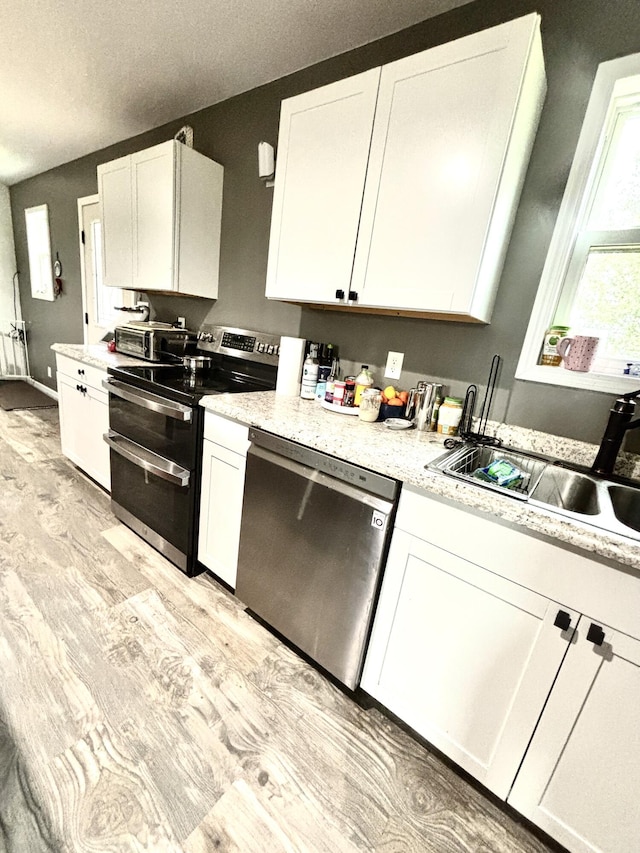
x: 349, y: 490
x: 362, y: 479
x: 147, y: 460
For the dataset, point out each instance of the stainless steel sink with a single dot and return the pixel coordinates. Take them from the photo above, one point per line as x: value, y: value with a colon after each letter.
x: 567, y: 490
x: 552, y: 484
x: 625, y: 502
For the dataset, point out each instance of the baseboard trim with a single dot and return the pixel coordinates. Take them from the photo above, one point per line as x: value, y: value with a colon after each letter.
x: 44, y: 388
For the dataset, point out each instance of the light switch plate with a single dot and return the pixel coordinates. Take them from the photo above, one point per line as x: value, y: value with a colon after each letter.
x: 394, y: 365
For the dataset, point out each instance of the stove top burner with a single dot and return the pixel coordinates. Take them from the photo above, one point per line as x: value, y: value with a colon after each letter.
x: 181, y: 384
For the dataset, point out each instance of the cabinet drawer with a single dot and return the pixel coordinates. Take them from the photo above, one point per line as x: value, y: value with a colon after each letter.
x: 229, y: 434
x: 80, y: 372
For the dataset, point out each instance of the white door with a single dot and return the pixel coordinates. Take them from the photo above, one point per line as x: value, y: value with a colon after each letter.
x: 323, y: 151
x: 465, y: 657
x: 99, y: 302
x: 581, y: 775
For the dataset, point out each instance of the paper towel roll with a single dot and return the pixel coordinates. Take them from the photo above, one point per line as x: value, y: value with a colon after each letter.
x: 290, y: 366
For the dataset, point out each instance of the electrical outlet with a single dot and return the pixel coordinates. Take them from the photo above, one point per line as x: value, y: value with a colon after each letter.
x: 49, y: 371
x: 394, y: 365
x: 182, y: 323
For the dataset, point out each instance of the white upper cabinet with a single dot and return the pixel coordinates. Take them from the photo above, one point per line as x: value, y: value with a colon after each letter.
x: 161, y: 218
x: 451, y: 137
x: 323, y: 149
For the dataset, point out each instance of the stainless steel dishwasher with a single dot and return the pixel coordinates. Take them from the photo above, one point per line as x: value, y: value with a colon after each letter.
x: 313, y: 543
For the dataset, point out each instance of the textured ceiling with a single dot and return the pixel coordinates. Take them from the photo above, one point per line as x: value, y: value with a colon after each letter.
x: 78, y: 75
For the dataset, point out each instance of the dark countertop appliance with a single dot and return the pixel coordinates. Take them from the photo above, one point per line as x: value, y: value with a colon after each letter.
x: 156, y: 428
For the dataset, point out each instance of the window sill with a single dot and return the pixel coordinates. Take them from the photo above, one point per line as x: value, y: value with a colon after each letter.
x: 572, y: 379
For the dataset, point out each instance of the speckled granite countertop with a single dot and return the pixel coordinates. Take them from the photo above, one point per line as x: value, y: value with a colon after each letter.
x: 97, y: 355
x: 403, y: 455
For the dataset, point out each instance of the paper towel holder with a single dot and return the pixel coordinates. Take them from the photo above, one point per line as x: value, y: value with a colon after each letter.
x: 266, y: 163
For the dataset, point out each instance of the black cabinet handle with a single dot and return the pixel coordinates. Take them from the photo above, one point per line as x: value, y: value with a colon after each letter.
x: 80, y: 372
x: 563, y: 620
x: 595, y: 635
x: 339, y: 294
x: 353, y: 296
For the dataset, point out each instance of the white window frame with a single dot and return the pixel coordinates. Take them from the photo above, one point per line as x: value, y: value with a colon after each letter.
x: 39, y: 249
x: 577, y: 196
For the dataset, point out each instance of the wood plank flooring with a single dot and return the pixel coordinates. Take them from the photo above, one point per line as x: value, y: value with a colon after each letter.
x: 143, y: 711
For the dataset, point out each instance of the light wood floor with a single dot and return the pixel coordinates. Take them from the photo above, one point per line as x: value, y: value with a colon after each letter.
x: 141, y: 710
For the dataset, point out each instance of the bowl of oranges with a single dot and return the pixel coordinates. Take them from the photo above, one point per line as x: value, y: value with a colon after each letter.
x: 393, y: 403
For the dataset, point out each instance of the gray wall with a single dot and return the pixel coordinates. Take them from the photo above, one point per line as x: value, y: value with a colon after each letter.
x: 577, y: 35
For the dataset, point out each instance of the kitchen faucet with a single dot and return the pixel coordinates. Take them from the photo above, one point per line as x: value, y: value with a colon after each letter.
x: 619, y: 422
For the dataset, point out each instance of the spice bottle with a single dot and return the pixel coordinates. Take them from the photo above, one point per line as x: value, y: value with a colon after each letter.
x: 349, y: 390
x: 549, y: 355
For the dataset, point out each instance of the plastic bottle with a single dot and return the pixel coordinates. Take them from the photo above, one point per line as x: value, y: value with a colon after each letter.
x: 363, y: 380
x: 310, y: 374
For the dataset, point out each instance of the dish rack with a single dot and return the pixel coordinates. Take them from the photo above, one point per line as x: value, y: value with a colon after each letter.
x: 463, y: 463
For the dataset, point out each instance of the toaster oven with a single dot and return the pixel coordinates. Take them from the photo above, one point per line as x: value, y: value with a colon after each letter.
x: 154, y: 341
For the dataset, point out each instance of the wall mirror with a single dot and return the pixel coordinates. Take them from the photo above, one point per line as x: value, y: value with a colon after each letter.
x: 39, y: 247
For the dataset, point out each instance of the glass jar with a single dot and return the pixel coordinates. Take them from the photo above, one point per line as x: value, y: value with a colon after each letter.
x: 549, y: 355
x: 369, y: 408
x: 449, y: 415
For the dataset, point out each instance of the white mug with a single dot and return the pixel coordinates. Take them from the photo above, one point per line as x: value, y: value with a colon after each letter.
x: 578, y: 352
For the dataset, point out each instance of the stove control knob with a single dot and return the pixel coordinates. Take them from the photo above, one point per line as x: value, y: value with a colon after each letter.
x: 270, y: 349
x: 260, y: 346
x: 276, y: 349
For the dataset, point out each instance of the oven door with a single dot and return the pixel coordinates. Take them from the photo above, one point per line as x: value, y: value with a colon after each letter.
x: 162, y: 426
x: 155, y: 469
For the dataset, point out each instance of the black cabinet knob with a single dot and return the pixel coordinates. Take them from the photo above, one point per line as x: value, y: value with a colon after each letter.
x: 563, y: 620
x: 595, y: 635
x: 78, y: 387
x: 339, y: 294
x: 353, y: 296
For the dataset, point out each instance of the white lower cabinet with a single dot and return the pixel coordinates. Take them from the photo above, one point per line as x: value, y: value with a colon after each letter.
x: 581, y: 775
x: 84, y: 418
x: 224, y: 456
x: 481, y: 644
x: 464, y: 656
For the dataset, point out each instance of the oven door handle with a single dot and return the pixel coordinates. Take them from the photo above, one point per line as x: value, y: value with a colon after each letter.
x: 147, y: 400
x: 147, y: 460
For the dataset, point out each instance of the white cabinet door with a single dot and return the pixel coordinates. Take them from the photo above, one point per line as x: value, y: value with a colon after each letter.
x: 162, y: 214
x: 437, y: 213
x: 581, y: 775
x: 224, y: 457
x: 154, y: 191
x: 323, y: 149
x: 114, y: 186
x: 84, y: 418
x: 465, y: 657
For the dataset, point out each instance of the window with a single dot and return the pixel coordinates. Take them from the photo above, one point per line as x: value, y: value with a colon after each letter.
x: 39, y: 248
x: 591, y: 279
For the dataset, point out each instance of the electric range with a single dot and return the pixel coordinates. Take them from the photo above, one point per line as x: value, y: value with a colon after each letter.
x: 156, y: 430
